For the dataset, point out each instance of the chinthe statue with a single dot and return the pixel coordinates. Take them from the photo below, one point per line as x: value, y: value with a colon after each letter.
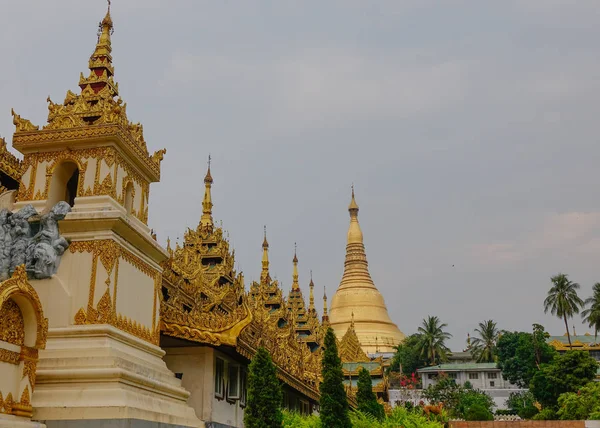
x: 40, y: 253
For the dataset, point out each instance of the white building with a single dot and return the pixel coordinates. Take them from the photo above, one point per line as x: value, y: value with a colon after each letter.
x: 483, y: 376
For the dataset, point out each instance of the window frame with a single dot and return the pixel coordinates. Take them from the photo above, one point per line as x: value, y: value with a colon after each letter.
x: 233, y: 368
x: 219, y: 387
x: 473, y: 376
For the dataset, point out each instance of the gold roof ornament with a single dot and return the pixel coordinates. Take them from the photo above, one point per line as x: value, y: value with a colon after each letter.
x: 205, y: 299
x: 350, y: 349
x: 325, y: 318
x: 95, y: 113
x: 9, y: 164
x: 358, y: 295
x: 273, y: 327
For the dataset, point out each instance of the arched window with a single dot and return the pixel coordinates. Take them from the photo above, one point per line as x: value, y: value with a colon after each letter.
x: 63, y: 184
x: 128, y: 201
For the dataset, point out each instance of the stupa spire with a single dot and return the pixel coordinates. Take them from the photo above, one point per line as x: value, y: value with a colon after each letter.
x: 311, y: 296
x: 295, y: 284
x: 325, y: 318
x: 357, y: 304
x: 265, y: 278
x: 100, y: 64
x: 206, y: 221
x: 355, y: 265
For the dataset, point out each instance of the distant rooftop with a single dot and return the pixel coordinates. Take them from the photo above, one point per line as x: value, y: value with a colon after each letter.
x: 454, y: 367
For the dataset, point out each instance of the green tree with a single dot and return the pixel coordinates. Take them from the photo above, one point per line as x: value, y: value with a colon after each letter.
x: 521, y: 354
x: 581, y: 405
x: 591, y: 314
x: 407, y: 358
x: 562, y: 300
x: 484, y: 346
x: 566, y: 373
x: 522, y: 403
x: 263, y: 408
x: 366, y: 398
x: 334, y: 403
x: 432, y: 340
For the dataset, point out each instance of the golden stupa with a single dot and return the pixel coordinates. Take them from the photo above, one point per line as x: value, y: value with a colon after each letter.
x: 358, y: 301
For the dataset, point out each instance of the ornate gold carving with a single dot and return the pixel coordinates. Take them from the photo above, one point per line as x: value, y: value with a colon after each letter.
x: 12, y: 327
x: 9, y: 357
x: 206, y: 300
x: 29, y: 367
x: 6, y: 405
x: 350, y: 349
x: 23, y: 407
x: 19, y: 286
x: 9, y: 164
x: 22, y: 125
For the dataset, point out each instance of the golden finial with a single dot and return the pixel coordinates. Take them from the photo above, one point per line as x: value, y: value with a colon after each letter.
x: 206, y: 221
x: 295, y: 284
x: 352, y: 320
x: 353, y: 207
x: 265, y: 242
x: 311, y: 299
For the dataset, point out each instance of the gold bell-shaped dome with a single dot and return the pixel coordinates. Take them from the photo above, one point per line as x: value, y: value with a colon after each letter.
x: 358, y: 298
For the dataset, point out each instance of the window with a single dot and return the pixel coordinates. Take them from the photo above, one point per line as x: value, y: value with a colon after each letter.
x: 492, y: 383
x: 63, y: 184
x: 452, y: 375
x: 473, y: 375
x: 233, y: 391
x: 243, y: 391
x: 432, y: 376
x: 128, y: 199
x: 492, y: 375
x: 219, y: 381
x: 304, y: 407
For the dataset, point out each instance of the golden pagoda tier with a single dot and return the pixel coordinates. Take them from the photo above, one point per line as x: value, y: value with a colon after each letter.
x: 358, y: 299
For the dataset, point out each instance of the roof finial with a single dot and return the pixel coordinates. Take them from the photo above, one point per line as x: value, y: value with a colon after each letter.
x: 311, y: 299
x: 353, y: 207
x: 352, y: 320
x: 265, y: 277
x: 206, y: 221
x: 325, y: 317
x: 295, y: 284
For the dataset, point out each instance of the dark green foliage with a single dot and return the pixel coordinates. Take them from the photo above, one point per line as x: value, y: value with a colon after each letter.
x: 591, y: 314
x: 521, y: 354
x: 432, y: 340
x: 467, y: 385
x: 584, y: 404
x: 475, y: 404
x: 366, y: 398
x: 263, y: 408
x: 478, y: 412
x: 458, y: 399
x: 563, y: 301
x: 407, y: 358
x: 546, y: 415
x: 522, y: 404
x: 484, y: 345
x: 334, y: 404
x: 566, y: 373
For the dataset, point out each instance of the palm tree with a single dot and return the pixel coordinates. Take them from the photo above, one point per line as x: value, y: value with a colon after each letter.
x: 562, y: 300
x: 591, y: 314
x: 484, y: 346
x: 432, y: 340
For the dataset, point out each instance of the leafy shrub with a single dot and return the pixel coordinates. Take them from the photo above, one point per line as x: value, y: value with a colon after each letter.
x: 547, y: 414
x: 473, y: 398
x: 296, y: 420
x: 478, y: 412
x: 528, y: 412
x: 580, y: 405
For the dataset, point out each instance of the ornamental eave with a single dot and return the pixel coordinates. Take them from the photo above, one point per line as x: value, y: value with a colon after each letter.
x: 27, y: 142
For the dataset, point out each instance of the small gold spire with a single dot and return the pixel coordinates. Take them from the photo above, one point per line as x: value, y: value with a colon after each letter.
x: 311, y: 298
x: 353, y: 207
x: 206, y: 221
x: 265, y: 278
x: 325, y: 318
x: 295, y: 284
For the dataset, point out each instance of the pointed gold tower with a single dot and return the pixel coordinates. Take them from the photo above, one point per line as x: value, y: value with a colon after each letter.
x: 358, y: 295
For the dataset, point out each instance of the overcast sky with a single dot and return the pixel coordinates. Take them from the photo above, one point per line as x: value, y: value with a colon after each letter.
x: 470, y: 130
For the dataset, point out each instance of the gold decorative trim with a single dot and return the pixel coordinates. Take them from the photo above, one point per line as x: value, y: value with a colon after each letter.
x: 10, y: 357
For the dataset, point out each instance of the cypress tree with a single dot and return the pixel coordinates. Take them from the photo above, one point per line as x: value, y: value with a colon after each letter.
x: 334, y: 404
x: 366, y: 398
x: 263, y: 408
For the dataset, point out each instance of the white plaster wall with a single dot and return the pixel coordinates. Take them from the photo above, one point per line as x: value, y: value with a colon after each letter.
x: 40, y: 178
x: 10, y: 374
x: 90, y: 174
x: 223, y: 411
x: 105, y: 170
x: 26, y: 176
x: 135, y: 294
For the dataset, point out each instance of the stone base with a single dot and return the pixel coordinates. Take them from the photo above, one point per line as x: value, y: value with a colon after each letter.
x: 10, y: 421
x: 101, y: 375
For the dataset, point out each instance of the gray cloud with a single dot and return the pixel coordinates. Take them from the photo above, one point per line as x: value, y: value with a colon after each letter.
x: 468, y: 128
